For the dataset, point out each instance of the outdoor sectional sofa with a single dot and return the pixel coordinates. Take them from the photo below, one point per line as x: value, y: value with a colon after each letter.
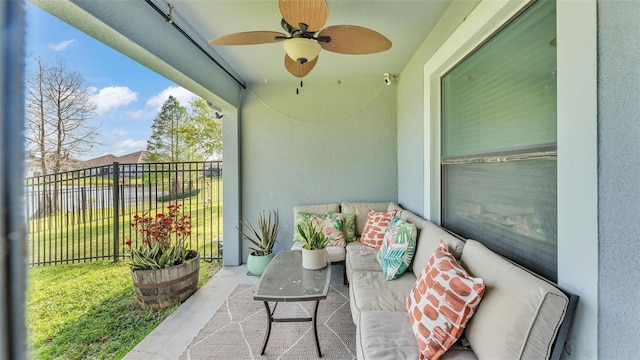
x: 520, y: 316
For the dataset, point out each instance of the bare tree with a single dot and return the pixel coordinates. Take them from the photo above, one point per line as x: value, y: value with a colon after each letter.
x: 35, y: 114
x: 58, y: 107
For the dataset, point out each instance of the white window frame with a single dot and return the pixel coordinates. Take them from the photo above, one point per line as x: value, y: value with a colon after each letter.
x: 484, y: 21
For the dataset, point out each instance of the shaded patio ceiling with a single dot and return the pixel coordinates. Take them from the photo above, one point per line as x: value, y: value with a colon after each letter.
x: 405, y: 23
x: 139, y: 31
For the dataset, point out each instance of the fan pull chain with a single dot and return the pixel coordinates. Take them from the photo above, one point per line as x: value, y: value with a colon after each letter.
x: 298, y: 89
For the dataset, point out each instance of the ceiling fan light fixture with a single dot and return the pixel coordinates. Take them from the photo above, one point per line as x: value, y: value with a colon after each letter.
x: 302, y: 50
x: 303, y: 21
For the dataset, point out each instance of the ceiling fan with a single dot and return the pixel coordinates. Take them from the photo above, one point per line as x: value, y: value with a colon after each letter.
x: 303, y: 21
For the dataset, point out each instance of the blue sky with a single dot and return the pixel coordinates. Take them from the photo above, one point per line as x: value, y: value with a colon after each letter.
x: 128, y: 96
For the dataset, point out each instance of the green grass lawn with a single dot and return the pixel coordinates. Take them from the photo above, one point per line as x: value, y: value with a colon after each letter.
x: 56, y: 238
x: 89, y: 310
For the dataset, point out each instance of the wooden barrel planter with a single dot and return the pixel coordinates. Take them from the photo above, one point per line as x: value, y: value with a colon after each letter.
x: 163, y: 287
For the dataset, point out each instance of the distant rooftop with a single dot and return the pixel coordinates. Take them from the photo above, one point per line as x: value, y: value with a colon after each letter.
x: 133, y: 158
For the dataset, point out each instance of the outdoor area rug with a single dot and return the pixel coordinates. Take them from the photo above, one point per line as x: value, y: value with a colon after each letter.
x: 237, y: 329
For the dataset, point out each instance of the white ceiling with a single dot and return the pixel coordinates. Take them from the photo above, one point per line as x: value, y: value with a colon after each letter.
x: 405, y: 22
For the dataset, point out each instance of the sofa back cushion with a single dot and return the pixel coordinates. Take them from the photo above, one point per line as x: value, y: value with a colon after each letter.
x: 312, y: 209
x: 361, y: 210
x: 316, y: 209
x: 429, y: 236
x: 520, y: 313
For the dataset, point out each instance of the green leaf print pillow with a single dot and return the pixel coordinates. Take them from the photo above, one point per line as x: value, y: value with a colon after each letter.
x: 398, y: 248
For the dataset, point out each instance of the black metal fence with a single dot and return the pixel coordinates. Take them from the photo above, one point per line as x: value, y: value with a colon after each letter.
x: 85, y: 215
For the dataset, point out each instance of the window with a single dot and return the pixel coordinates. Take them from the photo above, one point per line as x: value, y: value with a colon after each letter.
x: 499, y: 142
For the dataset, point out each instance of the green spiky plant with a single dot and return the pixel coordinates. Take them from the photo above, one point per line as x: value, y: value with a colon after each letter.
x: 312, y: 236
x: 264, y: 237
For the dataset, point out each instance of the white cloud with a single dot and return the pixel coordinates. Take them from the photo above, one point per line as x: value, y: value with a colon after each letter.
x: 113, y: 97
x: 154, y: 104
x: 130, y: 144
x: 183, y: 95
x: 120, y: 132
x: 144, y: 114
x: 61, y: 45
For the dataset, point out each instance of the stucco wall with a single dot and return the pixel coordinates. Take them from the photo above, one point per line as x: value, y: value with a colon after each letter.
x: 619, y: 178
x: 411, y: 182
x: 333, y: 142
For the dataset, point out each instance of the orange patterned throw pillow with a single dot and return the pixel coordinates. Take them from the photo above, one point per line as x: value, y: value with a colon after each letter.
x: 441, y: 303
x: 376, y: 227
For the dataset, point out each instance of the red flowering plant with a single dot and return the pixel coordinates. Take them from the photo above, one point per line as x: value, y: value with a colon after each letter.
x: 163, y: 239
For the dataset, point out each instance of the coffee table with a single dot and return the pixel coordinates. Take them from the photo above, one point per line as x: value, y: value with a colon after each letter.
x: 285, y: 280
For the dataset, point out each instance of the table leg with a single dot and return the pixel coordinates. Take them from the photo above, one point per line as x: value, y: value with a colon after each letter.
x: 269, y: 321
x: 315, y: 327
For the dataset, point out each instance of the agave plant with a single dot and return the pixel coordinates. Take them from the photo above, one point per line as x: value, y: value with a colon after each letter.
x: 264, y: 237
x: 312, y: 236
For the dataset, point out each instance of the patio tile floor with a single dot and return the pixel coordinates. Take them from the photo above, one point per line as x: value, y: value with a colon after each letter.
x: 172, y: 337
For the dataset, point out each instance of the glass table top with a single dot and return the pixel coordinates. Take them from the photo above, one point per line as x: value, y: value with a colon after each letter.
x: 285, y: 279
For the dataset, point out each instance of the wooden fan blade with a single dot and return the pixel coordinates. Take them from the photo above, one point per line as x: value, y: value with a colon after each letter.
x: 249, y: 38
x: 355, y: 40
x: 299, y: 70
x: 314, y: 13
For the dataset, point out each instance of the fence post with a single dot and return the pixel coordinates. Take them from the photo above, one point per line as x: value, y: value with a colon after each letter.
x: 116, y: 210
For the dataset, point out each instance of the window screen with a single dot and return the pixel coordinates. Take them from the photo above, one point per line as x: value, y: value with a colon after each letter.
x: 499, y: 142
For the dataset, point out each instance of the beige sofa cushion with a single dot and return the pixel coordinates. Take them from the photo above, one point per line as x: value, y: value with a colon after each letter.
x: 356, y: 245
x: 429, y: 237
x: 363, y: 258
x: 396, y: 207
x: 315, y: 209
x: 370, y: 291
x: 360, y: 257
x: 457, y: 352
x: 520, y: 313
x: 361, y: 210
x: 387, y: 335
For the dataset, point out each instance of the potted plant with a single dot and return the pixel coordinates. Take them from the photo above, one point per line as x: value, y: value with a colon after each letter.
x: 262, y: 240
x: 163, y: 270
x: 314, y: 255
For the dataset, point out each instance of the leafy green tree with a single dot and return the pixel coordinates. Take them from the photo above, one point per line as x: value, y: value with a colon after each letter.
x: 203, y: 131
x: 167, y: 143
